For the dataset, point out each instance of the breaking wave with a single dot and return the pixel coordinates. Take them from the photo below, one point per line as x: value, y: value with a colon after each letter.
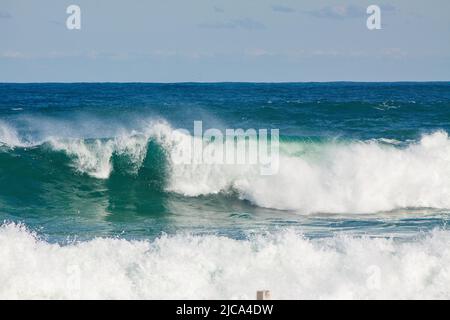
x: 332, y: 176
x: 286, y: 263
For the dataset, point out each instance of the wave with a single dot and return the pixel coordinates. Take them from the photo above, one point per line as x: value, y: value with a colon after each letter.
x: 332, y: 177
x: 94, y: 157
x: 357, y: 177
x: 9, y: 136
x: 286, y: 263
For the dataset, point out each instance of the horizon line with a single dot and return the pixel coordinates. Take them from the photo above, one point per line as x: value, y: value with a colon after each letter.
x: 222, y: 82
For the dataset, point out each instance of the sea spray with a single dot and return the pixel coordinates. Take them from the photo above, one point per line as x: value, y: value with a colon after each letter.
x: 185, y: 266
x: 331, y: 176
x: 9, y: 136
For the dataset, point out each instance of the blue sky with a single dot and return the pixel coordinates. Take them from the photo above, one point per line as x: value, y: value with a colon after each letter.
x: 224, y: 40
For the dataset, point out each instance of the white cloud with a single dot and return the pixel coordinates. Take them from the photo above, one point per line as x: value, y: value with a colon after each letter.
x: 218, y: 9
x: 338, y: 12
x: 13, y: 55
x: 5, y: 15
x: 282, y: 9
x: 245, y: 23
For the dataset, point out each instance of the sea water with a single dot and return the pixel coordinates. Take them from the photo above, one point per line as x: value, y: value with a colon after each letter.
x: 92, y: 206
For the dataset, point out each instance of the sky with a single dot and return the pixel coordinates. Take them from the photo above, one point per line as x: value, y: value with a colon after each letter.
x: 224, y: 40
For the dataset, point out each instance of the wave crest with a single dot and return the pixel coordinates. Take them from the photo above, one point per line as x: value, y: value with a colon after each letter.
x: 9, y: 136
x: 356, y: 177
x: 94, y: 157
x: 330, y: 177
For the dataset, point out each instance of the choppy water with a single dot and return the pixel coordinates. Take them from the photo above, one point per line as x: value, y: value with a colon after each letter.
x: 362, y: 191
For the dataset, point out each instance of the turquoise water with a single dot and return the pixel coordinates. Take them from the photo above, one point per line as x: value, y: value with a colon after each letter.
x: 360, y: 165
x: 43, y: 188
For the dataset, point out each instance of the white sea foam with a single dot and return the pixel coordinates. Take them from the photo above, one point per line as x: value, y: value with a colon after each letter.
x: 212, y: 267
x: 9, y: 136
x: 358, y: 177
x: 333, y: 177
x: 93, y: 157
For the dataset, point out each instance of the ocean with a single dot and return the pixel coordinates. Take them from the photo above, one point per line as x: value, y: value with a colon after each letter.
x: 93, y: 206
